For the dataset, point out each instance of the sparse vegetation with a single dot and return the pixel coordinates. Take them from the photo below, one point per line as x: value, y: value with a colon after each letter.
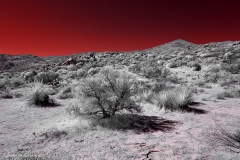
x: 225, y: 139
x: 229, y: 94
x: 127, y: 91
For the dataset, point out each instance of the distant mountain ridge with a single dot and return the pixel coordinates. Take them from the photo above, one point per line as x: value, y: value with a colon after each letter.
x: 170, y: 50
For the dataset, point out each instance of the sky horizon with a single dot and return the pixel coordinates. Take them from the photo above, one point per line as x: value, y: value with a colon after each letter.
x: 61, y: 27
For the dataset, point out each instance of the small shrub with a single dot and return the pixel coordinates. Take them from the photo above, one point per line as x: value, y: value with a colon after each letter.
x: 47, y: 77
x: 3, y: 84
x: 29, y: 76
x: 56, y: 68
x: 6, y: 95
x: 72, y: 67
x: 7, y: 75
x: 229, y: 94
x: 17, y: 95
x: 151, y: 72
x: 165, y: 72
x: 66, y: 92
x: 233, y: 68
x: 200, y: 83
x: 227, y: 140
x: 39, y: 96
x: 16, y: 82
x: 93, y: 71
x: 62, y: 71
x: 72, y: 74
x: 196, y: 67
x: 82, y: 73
x: 172, y: 78
x: 174, y: 99
x: 172, y: 65
x: 212, y: 77
x: 157, y: 87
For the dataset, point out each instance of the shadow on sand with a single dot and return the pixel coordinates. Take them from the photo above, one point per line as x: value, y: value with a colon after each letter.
x: 138, y: 123
x: 194, y: 110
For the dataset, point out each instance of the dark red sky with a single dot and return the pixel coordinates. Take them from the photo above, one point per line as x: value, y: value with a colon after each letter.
x: 61, y: 27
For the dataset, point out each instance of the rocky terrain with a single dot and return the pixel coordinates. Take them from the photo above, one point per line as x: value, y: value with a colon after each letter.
x: 183, y: 98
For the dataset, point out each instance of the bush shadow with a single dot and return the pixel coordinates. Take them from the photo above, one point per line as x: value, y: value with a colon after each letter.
x: 190, y: 109
x: 138, y: 123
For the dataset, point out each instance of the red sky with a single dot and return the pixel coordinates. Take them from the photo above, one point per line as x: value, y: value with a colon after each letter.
x: 61, y: 27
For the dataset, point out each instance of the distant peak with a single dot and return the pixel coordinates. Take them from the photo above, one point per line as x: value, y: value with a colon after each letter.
x: 181, y: 41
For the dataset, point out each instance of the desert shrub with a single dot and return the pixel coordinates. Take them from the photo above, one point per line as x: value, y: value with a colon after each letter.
x: 215, y: 69
x: 56, y: 68
x: 232, y: 68
x: 7, y: 75
x: 4, y: 83
x: 174, y: 99
x: 79, y: 64
x: 47, y: 77
x: 135, y: 68
x: 151, y: 72
x: 229, y: 94
x: 82, y: 73
x: 165, y: 72
x: 53, y: 132
x: 200, y: 83
x: 17, y: 95
x: 158, y: 86
x: 66, y: 92
x: 39, y: 96
x: 212, y: 77
x: 172, y: 78
x: 107, y: 93
x: 71, y: 74
x: 172, y: 65
x: 227, y: 81
x: 196, y: 67
x: 72, y: 67
x: 29, y: 76
x: 6, y: 95
x: 225, y: 139
x: 16, y: 81
x: 93, y: 71
x: 62, y: 71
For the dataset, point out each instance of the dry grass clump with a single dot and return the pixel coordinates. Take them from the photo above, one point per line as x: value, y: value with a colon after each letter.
x: 39, y: 96
x: 225, y: 139
x: 146, y: 96
x: 174, y: 99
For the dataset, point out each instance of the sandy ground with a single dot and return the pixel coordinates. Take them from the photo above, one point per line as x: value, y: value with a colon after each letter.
x: 50, y: 132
